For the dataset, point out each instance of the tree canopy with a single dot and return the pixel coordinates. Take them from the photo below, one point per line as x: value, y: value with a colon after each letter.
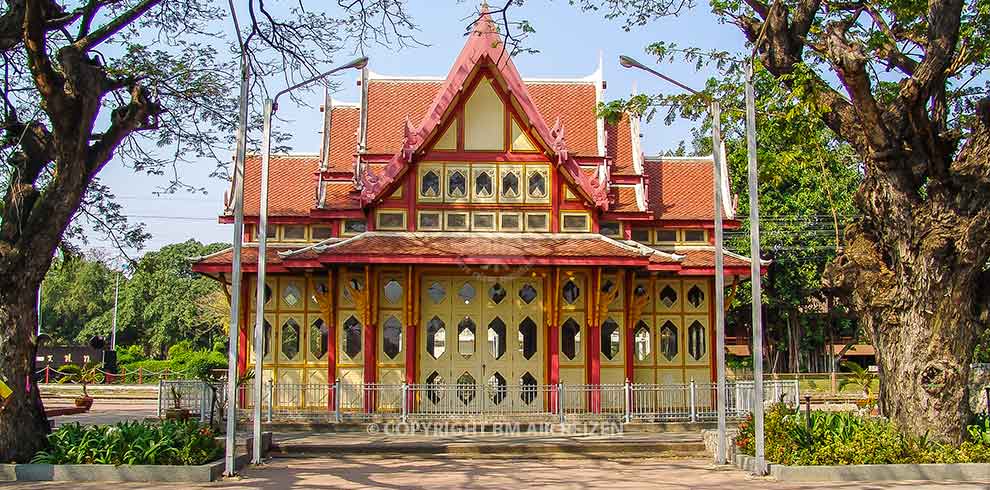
x: 161, y: 301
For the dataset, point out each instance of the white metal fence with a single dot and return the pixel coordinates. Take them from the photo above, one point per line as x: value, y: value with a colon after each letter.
x: 647, y: 403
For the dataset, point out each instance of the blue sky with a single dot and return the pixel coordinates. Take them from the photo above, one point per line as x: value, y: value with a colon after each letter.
x: 569, y: 42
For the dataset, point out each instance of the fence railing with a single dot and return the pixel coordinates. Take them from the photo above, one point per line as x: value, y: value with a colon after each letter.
x: 629, y: 402
x: 49, y: 374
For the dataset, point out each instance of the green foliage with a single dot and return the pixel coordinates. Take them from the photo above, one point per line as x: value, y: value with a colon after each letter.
x: 131, y: 443
x: 162, y: 302
x: 82, y: 375
x: 130, y: 355
x: 859, y: 376
x: 982, y: 352
x: 979, y: 430
x: 807, y: 179
x: 834, y: 438
x: 183, y: 359
x: 76, y: 294
x: 159, y: 305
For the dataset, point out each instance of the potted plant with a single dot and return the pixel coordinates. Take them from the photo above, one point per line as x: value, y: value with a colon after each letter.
x: 862, y: 377
x: 176, y: 412
x: 87, y: 375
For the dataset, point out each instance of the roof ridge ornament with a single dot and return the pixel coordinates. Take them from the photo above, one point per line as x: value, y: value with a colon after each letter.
x: 559, y: 143
x: 411, y: 140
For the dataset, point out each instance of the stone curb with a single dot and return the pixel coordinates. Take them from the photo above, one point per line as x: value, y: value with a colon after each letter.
x: 962, y: 472
x: 124, y: 473
x: 128, y: 473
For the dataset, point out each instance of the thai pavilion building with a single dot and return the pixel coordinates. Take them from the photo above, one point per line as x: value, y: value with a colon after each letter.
x: 481, y: 229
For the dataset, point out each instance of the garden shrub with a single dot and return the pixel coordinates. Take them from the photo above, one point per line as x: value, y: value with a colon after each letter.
x: 132, y: 443
x: 183, y: 361
x: 833, y: 438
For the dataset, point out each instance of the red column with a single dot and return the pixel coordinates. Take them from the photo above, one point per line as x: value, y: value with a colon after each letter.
x: 553, y: 362
x: 594, y: 343
x: 331, y: 359
x: 410, y: 360
x: 711, y: 330
x: 370, y: 363
x: 552, y: 286
x: 242, y: 332
x: 630, y: 322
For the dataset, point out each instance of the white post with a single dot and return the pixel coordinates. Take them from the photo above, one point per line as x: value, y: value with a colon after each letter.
x: 259, y: 324
x: 40, y: 289
x: 628, y: 401
x: 720, y: 458
x: 116, y: 295
x: 405, y: 401
x: 271, y: 399
x: 693, y: 405
x: 754, y: 245
x: 336, y: 400
x: 235, y: 274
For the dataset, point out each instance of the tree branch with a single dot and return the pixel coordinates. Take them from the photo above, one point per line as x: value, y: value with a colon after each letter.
x: 943, y: 33
x: 115, y: 25
x: 46, y: 79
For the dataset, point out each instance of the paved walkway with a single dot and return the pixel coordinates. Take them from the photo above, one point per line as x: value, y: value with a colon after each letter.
x: 105, y: 411
x: 367, y: 472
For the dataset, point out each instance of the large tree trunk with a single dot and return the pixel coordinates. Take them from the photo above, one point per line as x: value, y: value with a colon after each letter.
x: 913, y: 272
x: 924, y: 331
x: 23, y: 425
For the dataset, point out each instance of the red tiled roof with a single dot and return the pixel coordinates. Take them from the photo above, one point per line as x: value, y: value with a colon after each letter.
x: 343, y: 138
x: 291, y: 185
x: 625, y: 200
x: 523, y: 248
x: 575, y: 104
x: 390, y: 102
x: 706, y: 258
x: 619, y: 147
x: 460, y: 247
x: 249, y: 255
x: 680, y: 188
x: 340, y: 195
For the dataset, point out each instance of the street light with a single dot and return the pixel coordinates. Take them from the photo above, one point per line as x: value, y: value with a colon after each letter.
x: 235, y: 265
x: 271, y: 105
x: 755, y: 278
x: 715, y: 108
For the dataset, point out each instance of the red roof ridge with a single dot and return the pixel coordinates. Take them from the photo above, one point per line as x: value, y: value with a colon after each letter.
x: 678, y: 159
x: 314, y: 246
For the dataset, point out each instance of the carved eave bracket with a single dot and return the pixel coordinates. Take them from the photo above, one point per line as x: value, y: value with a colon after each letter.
x: 375, y: 185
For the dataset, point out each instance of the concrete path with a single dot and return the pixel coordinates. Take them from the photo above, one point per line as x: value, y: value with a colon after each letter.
x: 106, y: 411
x: 366, y: 472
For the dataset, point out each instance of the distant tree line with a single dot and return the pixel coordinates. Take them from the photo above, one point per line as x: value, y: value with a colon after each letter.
x: 161, y: 301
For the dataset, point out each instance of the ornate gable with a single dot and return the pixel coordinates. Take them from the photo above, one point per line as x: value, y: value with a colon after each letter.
x: 483, y: 56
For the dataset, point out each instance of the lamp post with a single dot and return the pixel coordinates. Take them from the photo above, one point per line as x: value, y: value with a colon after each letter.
x: 271, y: 105
x: 754, y: 242
x: 235, y: 276
x: 715, y: 109
x: 116, y: 295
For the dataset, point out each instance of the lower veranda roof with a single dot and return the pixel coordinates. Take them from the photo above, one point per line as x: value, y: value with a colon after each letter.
x: 449, y: 248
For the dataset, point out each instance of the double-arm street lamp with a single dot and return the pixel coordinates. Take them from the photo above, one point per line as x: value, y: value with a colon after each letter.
x: 271, y: 105
x: 715, y: 110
